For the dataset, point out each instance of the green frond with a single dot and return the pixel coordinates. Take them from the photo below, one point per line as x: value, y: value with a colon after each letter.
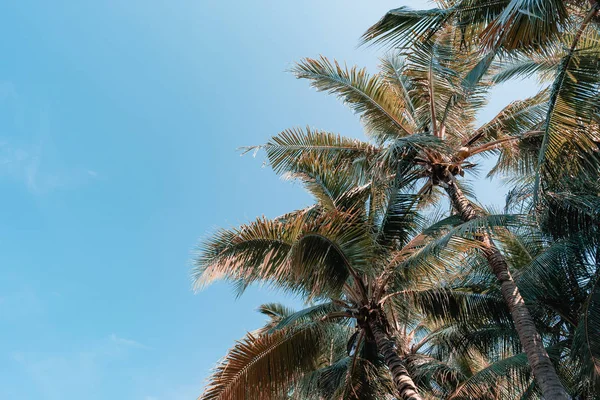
x: 314, y: 313
x: 492, y: 339
x: 343, y: 236
x: 572, y: 212
x: 291, y: 146
x: 507, y: 377
x: 517, y: 161
x: 474, y: 77
x: 275, y: 311
x: 333, y: 187
x: 367, y: 96
x: 434, y: 377
x: 323, y: 382
x: 525, y: 66
x: 586, y: 341
x: 403, y: 151
x: 307, y: 255
x: 257, y: 251
x: 393, y: 71
x: 438, y: 86
x: 546, y: 275
x: 264, y: 367
x: 402, y: 26
x: 458, y: 304
x: 516, y: 119
x: 351, y: 377
x: 569, y: 128
x: 476, y: 225
x: 445, y: 247
x: 527, y: 24
x: 399, y: 222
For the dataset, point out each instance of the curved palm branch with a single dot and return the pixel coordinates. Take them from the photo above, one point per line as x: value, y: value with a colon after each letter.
x: 402, y: 27
x: 379, y: 110
x: 586, y: 341
x: 573, y: 103
x: 285, y: 149
x: 264, y: 367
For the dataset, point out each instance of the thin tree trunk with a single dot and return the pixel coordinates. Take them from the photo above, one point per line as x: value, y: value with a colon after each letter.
x: 539, y: 361
x: 407, y: 389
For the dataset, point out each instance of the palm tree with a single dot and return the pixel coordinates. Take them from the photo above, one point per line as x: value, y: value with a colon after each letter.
x: 429, y: 99
x: 297, y: 355
x: 560, y: 36
x: 453, y: 349
x: 327, y: 251
x: 559, y: 279
x: 449, y: 359
x: 356, y: 252
x: 454, y: 335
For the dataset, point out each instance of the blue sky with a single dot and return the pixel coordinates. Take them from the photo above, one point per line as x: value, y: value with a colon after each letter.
x: 119, y: 123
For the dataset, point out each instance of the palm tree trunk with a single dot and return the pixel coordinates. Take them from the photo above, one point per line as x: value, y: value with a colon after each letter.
x: 541, y: 365
x: 407, y: 389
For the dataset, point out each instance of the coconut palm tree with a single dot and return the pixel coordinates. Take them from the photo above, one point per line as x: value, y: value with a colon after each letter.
x: 453, y: 349
x: 429, y: 98
x: 277, y: 361
x: 448, y: 359
x: 559, y: 277
x: 357, y: 252
x: 559, y: 272
x: 328, y: 252
x: 557, y: 36
x: 440, y: 306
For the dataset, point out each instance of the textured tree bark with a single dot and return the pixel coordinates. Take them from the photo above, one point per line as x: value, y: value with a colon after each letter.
x: 407, y: 389
x: 539, y: 361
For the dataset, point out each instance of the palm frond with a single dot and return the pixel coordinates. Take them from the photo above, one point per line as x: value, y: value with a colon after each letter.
x: 527, y: 24
x: 264, y: 367
x: 525, y: 66
x: 291, y: 146
x: 313, y: 313
x: 586, y: 341
x: 514, y: 369
x: 393, y: 69
x: 402, y: 26
x: 366, y: 95
x: 253, y: 252
x: 516, y: 119
x: 572, y: 105
x: 458, y: 304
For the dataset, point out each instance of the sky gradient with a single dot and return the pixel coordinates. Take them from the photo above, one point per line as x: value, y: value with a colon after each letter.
x: 119, y: 123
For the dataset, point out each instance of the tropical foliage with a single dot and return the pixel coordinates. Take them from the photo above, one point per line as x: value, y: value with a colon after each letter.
x: 405, y: 299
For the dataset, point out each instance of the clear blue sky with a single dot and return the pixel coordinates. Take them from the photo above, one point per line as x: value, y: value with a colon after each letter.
x: 119, y: 123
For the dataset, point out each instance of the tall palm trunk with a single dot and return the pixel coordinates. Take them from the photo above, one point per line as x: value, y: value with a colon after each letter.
x: 541, y: 365
x: 407, y: 389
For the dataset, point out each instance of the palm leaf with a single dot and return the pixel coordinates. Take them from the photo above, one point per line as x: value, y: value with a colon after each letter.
x: 287, y: 149
x: 572, y: 105
x: 586, y: 341
x: 366, y: 95
x: 254, y: 252
x: 264, y: 367
x: 315, y: 312
x: 527, y: 24
x: 513, y: 368
x: 402, y: 26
